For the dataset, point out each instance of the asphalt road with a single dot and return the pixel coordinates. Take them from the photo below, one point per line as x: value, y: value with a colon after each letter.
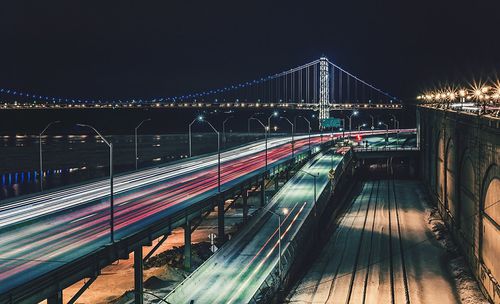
x: 42, y: 232
x: 235, y: 272
x: 382, y: 251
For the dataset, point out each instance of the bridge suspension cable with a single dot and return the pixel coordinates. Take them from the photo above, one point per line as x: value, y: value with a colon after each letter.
x: 319, y: 82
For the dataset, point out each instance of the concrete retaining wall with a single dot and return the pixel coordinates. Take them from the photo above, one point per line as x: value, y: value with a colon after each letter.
x: 461, y: 168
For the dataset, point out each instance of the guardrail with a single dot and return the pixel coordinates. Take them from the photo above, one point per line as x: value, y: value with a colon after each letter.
x: 385, y: 149
x: 293, y: 249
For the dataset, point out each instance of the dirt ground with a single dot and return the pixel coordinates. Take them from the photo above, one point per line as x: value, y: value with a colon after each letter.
x: 116, y: 279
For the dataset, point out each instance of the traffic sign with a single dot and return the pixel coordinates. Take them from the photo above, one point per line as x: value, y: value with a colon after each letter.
x: 331, y: 122
x: 212, y: 237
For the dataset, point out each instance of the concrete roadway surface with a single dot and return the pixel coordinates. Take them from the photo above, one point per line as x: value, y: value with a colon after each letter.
x: 381, y: 251
x: 39, y: 233
x: 236, y: 271
x: 77, y: 220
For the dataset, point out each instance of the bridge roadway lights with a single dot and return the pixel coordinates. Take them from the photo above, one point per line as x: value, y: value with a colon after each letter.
x: 187, y: 245
x: 56, y: 298
x: 138, y: 276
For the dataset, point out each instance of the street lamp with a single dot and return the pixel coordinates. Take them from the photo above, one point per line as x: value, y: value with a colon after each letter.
x: 199, y: 118
x: 361, y: 126
x: 224, y: 140
x: 293, y: 149
x: 265, y: 135
x: 308, y: 130
x: 136, y: 128
x: 314, y: 178
x: 41, y: 156
x: 111, y: 202
x: 386, y: 131
x: 373, y: 120
x: 218, y: 150
x: 285, y: 212
x: 250, y: 118
x: 396, y: 126
x: 275, y: 114
x: 354, y: 113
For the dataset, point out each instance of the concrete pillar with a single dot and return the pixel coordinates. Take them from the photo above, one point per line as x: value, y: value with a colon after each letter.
x: 138, y: 275
x: 220, y: 221
x: 262, y: 192
x: 56, y: 298
x: 187, y: 245
x: 276, y: 183
x: 244, y: 196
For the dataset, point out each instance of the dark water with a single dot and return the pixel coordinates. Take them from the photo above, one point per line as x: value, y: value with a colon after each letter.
x: 70, y: 159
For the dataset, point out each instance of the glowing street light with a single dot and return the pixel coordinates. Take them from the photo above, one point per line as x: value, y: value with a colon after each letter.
x: 293, y: 144
x: 265, y: 135
x: 135, y: 133
x: 314, y: 176
x: 199, y: 118
x: 224, y: 140
x: 41, y: 156
x: 308, y: 129
x: 380, y: 123
x: 275, y: 114
x: 285, y: 212
x: 111, y: 200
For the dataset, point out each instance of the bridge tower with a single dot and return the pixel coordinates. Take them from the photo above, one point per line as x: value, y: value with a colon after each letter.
x: 324, y: 90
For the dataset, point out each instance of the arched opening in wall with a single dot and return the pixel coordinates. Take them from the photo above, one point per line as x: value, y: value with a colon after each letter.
x: 450, y: 187
x: 467, y: 206
x: 433, y: 161
x: 490, y: 242
x: 440, y: 169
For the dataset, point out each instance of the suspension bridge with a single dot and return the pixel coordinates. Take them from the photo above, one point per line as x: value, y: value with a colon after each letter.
x: 319, y: 85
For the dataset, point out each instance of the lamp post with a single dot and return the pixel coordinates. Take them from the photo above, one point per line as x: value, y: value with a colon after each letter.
x: 293, y: 149
x: 285, y: 212
x: 275, y: 114
x: 41, y: 156
x: 199, y: 118
x: 136, y: 128
x: 354, y: 113
x: 224, y: 140
x: 386, y: 131
x: 111, y: 202
x: 343, y: 128
x: 308, y: 130
x: 218, y: 151
x: 265, y: 135
x: 314, y: 178
x: 361, y: 126
x: 396, y: 126
x: 373, y: 122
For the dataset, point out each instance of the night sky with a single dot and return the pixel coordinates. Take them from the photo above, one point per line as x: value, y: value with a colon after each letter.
x: 141, y: 49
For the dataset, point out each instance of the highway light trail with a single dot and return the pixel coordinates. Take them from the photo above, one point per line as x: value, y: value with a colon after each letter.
x: 41, y: 233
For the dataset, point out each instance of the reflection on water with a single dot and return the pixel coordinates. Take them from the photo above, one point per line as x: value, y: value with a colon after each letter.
x: 70, y: 159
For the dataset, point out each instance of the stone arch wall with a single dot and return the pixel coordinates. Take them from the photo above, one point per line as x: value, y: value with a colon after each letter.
x: 468, y: 209
x: 440, y: 168
x: 450, y: 189
x: 490, y: 221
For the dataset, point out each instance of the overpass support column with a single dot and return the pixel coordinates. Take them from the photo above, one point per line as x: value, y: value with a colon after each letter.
x: 187, y: 245
x: 244, y: 196
x: 138, y: 275
x: 56, y: 298
x: 263, y: 192
x: 220, y: 221
x: 276, y: 183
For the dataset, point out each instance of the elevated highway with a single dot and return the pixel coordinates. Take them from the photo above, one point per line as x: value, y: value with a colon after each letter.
x: 52, y: 240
